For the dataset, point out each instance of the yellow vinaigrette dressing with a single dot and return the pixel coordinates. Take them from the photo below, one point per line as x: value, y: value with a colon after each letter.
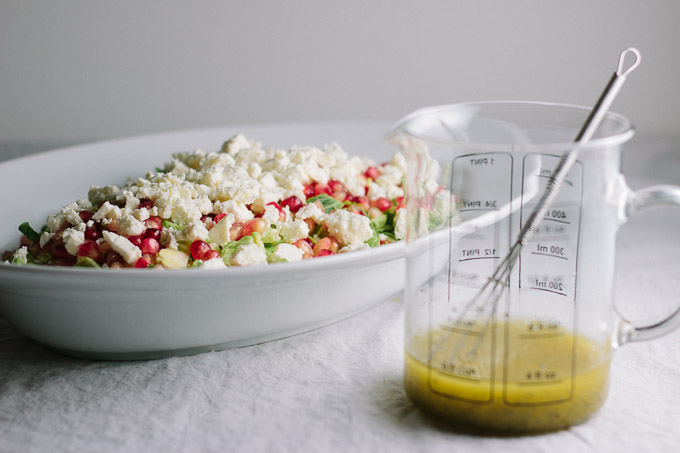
x: 517, y: 377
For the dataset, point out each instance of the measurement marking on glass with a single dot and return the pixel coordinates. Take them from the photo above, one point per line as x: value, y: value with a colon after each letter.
x: 463, y: 331
x: 550, y: 254
x: 477, y: 209
x: 548, y: 290
x: 525, y: 336
x: 479, y: 258
x: 566, y: 181
x: 557, y: 220
x: 555, y: 381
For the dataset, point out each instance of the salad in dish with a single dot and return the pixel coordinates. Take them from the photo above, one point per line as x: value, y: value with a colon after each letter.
x: 241, y: 206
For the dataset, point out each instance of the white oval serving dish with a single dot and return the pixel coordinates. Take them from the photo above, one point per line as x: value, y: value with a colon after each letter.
x: 135, y: 314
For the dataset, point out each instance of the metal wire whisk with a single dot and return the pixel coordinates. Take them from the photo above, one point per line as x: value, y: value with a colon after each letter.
x: 492, y: 290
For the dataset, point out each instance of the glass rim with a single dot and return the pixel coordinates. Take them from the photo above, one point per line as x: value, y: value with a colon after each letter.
x: 401, y: 126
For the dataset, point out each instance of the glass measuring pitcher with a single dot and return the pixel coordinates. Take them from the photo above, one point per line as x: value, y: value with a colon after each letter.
x: 534, y: 355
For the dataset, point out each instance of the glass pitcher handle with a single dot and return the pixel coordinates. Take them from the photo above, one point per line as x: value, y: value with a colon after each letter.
x: 637, y: 202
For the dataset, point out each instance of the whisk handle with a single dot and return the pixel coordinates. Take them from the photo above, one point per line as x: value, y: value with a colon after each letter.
x: 595, y: 117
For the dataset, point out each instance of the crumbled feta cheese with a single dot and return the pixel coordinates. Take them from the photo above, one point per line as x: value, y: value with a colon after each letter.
x: 219, y: 233
x: 354, y: 248
x: 237, y: 143
x: 20, y: 256
x: 286, y: 252
x: 73, y: 239
x: 122, y: 245
x: 169, y: 238
x: 376, y: 191
x: 240, y: 211
x: 194, y: 231
x: 130, y: 226
x: 293, y: 230
x: 271, y: 215
x: 249, y: 255
x: 214, y: 263
x: 106, y: 211
x: 349, y: 228
x: 45, y: 238
x: 185, y: 211
x: 141, y: 214
x: 56, y: 222
x: 400, y: 224
x: 84, y: 204
x: 99, y: 194
x: 71, y: 214
x: 311, y: 211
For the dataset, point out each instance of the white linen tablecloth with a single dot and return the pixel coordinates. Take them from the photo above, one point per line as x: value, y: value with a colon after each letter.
x: 339, y: 388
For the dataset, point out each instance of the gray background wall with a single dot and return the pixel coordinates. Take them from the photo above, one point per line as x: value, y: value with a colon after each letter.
x: 71, y: 71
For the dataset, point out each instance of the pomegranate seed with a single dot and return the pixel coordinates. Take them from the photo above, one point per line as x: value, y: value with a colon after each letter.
x: 340, y: 195
x: 136, y: 240
x: 154, y: 222
x: 113, y: 257
x: 363, y: 202
x: 150, y: 246
x: 310, y: 224
x: 382, y: 203
x: 293, y: 203
x: 211, y: 254
x: 104, y: 248
x: 150, y: 233
x: 240, y: 230
x: 143, y: 262
x: 372, y: 173
x: 112, y: 226
x: 320, y: 188
x: 336, y: 186
x: 322, y: 244
x: 374, y: 212
x: 328, y: 243
x: 59, y: 251
x: 325, y: 252
x: 145, y: 203
x: 400, y: 202
x: 219, y: 217
x: 256, y: 225
x: 94, y: 232
x: 199, y: 249
x: 85, y: 215
x: 309, y: 190
x: 355, y: 209
x: 90, y: 249
x: 306, y: 246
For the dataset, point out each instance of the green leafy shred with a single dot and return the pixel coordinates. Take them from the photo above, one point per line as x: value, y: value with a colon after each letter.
x: 29, y: 232
x: 229, y: 249
x: 85, y: 261
x: 384, y: 224
x: 329, y: 203
x: 173, y: 225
